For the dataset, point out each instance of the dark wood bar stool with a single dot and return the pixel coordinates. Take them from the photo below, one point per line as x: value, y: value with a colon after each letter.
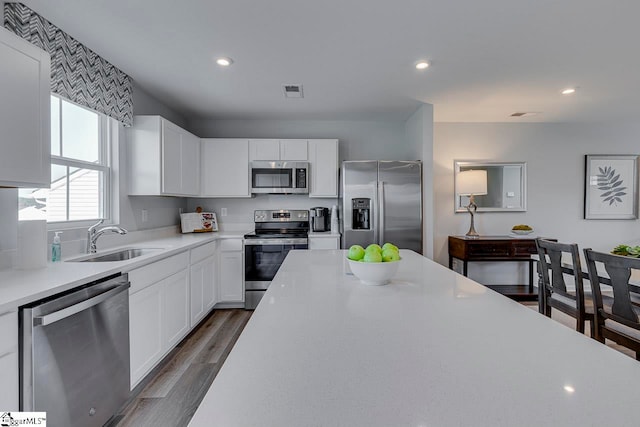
x: 554, y: 293
x: 618, y: 320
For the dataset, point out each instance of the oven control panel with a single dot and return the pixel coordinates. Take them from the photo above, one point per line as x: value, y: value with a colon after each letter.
x: 281, y: 215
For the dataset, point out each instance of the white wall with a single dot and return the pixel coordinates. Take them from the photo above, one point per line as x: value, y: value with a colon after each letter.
x: 555, y: 192
x: 146, y: 104
x: 240, y: 211
x: 419, y: 131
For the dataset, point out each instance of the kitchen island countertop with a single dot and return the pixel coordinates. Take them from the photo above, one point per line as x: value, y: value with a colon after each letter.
x: 432, y: 348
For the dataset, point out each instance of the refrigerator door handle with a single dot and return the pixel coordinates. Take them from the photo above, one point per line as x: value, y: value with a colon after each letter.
x: 375, y: 218
x: 381, y: 212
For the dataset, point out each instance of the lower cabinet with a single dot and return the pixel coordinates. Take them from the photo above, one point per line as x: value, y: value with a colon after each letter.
x: 169, y: 297
x: 9, y: 389
x: 145, y: 331
x: 202, y: 282
x: 231, y: 271
x: 331, y: 241
x: 175, y: 309
x: 158, y: 311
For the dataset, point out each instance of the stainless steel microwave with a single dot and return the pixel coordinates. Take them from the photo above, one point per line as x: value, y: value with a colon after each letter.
x: 279, y: 177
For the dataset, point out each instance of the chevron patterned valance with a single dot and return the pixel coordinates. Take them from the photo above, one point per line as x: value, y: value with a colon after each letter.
x: 77, y: 73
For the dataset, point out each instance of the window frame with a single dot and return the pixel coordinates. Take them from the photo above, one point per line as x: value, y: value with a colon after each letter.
x: 104, y: 165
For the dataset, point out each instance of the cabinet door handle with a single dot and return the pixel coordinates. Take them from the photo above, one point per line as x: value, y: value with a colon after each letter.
x: 381, y: 210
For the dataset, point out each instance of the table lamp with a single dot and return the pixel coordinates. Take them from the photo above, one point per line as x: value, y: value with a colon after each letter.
x: 471, y: 183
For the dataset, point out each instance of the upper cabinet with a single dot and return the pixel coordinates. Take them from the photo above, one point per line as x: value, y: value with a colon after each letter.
x: 164, y: 159
x: 25, y: 122
x: 323, y: 166
x: 225, y: 167
x: 278, y: 149
x: 167, y: 160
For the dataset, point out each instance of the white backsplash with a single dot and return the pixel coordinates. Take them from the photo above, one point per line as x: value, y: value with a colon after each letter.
x: 240, y: 211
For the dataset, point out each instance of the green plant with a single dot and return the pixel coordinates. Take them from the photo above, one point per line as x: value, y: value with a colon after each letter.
x: 625, y: 250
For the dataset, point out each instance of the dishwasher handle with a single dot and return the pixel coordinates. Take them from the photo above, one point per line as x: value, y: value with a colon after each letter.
x: 50, y: 318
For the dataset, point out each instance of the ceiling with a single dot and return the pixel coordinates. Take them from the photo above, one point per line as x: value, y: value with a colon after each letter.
x: 355, y: 58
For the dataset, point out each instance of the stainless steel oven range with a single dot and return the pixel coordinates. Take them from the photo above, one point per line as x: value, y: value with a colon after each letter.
x: 276, y: 233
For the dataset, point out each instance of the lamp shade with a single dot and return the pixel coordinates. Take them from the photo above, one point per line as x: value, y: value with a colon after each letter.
x: 471, y: 182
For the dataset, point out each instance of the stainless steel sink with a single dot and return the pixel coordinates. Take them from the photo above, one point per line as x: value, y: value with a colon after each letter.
x: 121, y: 255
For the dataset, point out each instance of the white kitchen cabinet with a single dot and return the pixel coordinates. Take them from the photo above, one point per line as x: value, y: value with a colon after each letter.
x: 163, y: 158
x: 145, y: 331
x: 323, y: 165
x: 9, y: 391
x: 25, y: 113
x: 225, y: 167
x: 158, y: 311
x: 202, y: 282
x: 293, y: 149
x: 264, y: 149
x: 278, y: 149
x: 324, y: 241
x: 175, y: 314
x: 231, y: 284
x: 190, y: 164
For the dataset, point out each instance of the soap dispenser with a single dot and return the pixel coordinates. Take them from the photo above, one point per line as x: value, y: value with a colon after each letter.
x: 56, y: 248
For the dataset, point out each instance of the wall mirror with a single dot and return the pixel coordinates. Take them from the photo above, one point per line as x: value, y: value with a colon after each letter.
x: 506, y: 186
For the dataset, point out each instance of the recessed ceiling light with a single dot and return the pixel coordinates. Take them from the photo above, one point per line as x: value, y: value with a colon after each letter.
x: 568, y: 91
x: 422, y: 65
x: 224, y: 62
x: 525, y: 113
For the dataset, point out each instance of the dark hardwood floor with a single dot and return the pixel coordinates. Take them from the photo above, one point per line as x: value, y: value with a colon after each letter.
x: 170, y: 394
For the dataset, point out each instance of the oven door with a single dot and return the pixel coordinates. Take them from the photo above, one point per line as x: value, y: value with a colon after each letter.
x: 263, y: 258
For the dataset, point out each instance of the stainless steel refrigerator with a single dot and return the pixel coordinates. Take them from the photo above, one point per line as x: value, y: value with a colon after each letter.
x: 382, y: 202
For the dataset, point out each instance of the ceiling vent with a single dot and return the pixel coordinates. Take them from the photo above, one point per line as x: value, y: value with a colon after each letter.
x: 292, y: 91
x: 525, y: 114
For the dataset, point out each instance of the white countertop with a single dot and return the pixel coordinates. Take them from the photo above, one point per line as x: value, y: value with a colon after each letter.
x: 432, y: 348
x: 19, y: 287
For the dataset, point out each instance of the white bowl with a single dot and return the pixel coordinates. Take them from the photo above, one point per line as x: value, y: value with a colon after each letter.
x: 522, y: 232
x: 374, y: 273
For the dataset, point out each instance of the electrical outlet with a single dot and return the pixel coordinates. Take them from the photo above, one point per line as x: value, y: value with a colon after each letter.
x: 223, y: 211
x: 145, y: 215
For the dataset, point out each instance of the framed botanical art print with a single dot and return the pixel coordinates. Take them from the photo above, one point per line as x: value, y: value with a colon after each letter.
x: 611, y: 187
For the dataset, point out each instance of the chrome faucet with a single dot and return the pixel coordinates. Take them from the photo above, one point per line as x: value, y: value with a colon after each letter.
x: 93, y: 233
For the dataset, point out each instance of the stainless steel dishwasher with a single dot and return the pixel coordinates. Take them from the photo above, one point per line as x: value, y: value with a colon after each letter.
x: 74, y: 360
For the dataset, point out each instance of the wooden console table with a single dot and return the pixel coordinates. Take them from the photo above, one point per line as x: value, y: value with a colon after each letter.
x: 497, y: 249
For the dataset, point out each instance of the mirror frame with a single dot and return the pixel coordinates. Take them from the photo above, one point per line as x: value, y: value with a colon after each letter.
x: 457, y: 200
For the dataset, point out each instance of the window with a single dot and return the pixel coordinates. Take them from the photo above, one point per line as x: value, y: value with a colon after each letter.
x: 79, y: 168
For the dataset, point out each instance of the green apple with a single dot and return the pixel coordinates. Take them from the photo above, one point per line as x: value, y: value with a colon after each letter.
x: 372, y: 256
x: 389, y: 245
x: 373, y: 247
x: 356, y: 253
x: 390, y: 254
